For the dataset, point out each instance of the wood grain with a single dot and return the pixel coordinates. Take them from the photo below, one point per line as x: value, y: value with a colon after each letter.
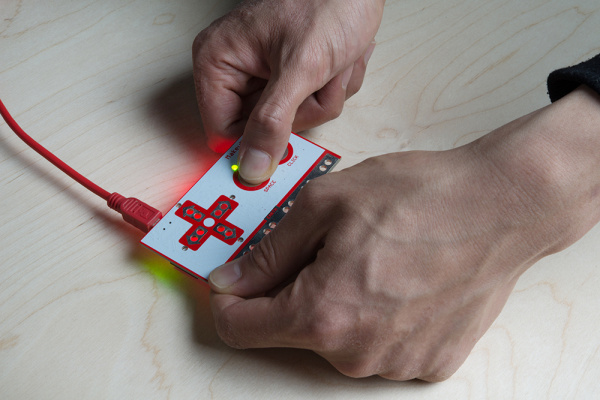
x: 86, y: 313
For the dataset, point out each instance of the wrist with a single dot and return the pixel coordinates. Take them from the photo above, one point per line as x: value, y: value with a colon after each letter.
x: 550, y: 164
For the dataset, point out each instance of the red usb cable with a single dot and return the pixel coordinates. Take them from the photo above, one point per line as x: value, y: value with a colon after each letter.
x: 134, y: 211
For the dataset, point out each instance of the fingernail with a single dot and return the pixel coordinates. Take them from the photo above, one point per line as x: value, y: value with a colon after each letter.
x: 254, y: 165
x: 346, y: 77
x: 369, y: 52
x: 226, y: 275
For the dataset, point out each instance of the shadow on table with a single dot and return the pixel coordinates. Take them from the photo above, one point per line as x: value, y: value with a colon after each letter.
x: 175, y: 108
x: 295, y: 370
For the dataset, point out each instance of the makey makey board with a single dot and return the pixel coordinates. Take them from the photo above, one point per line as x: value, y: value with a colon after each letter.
x: 220, y: 218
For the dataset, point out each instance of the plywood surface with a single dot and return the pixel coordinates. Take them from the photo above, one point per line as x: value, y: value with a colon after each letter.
x: 86, y: 313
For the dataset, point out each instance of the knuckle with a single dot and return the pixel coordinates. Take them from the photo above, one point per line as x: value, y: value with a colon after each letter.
x: 224, y: 326
x: 333, y: 110
x: 404, y: 372
x: 198, y: 41
x: 271, y: 118
x: 438, y: 376
x: 201, y: 46
x: 445, y: 368
x: 327, y: 330
x: 353, y: 89
x: 409, y: 366
x: 356, y: 369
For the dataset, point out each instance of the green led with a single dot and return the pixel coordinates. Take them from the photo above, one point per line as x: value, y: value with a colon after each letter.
x: 162, y: 271
x: 234, y: 167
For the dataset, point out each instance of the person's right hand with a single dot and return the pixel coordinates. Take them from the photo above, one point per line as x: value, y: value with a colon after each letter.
x: 273, y: 66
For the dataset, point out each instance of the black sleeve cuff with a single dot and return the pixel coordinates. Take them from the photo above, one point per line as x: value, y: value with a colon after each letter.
x: 563, y: 81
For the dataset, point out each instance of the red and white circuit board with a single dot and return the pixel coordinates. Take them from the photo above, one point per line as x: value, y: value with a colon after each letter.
x: 220, y: 218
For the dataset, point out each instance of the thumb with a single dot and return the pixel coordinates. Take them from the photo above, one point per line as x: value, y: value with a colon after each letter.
x: 279, y: 255
x: 269, y: 125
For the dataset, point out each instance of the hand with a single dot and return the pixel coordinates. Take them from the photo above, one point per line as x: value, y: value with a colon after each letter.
x: 273, y: 66
x: 397, y: 266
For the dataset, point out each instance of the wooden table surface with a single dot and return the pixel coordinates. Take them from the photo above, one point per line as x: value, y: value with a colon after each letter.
x: 87, y: 313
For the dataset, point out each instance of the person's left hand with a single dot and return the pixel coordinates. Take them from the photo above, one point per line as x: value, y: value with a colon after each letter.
x: 397, y: 266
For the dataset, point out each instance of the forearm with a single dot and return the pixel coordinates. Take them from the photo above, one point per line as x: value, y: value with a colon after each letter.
x: 575, y: 148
